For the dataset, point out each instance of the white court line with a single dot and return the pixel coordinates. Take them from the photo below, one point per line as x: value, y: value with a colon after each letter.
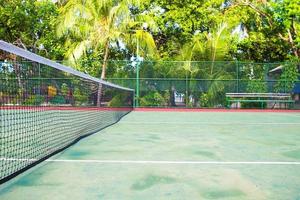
x: 214, y: 123
x: 162, y: 162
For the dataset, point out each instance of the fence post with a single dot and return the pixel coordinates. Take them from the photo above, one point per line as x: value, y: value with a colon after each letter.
x: 186, y: 90
x: 137, y: 92
x: 134, y: 99
x: 40, y: 82
x: 237, y: 76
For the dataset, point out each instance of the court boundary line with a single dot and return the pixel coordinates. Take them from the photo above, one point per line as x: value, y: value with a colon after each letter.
x: 222, y: 110
x: 161, y: 162
x: 211, y: 123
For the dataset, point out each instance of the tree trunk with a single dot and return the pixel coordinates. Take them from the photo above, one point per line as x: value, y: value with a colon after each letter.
x: 104, y: 65
x: 99, y: 95
x: 103, y: 73
x: 291, y: 40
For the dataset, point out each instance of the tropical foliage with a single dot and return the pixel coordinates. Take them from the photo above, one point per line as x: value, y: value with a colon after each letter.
x: 90, y: 34
x: 254, y: 30
x: 98, y: 26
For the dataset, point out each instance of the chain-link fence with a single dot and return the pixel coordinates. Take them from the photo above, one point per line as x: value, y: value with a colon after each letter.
x: 201, y: 84
x: 196, y: 84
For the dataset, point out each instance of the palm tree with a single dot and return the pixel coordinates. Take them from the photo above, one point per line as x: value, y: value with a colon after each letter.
x: 209, y: 46
x: 98, y: 25
x: 218, y: 44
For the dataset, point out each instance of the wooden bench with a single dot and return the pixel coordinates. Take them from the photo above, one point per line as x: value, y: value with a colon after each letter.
x: 261, y: 98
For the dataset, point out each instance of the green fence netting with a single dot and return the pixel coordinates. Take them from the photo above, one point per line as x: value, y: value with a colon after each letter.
x: 200, y: 84
x: 195, y: 84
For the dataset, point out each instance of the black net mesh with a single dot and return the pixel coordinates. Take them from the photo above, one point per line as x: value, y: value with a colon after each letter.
x: 44, y: 110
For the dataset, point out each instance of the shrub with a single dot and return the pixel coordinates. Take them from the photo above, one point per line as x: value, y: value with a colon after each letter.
x: 255, y: 86
x: 118, y: 100
x: 288, y: 78
x: 79, y: 97
x: 153, y: 99
x: 34, y: 100
x: 64, y: 89
x: 58, y: 99
x: 204, y: 100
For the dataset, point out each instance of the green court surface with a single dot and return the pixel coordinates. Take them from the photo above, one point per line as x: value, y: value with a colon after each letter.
x: 174, y: 155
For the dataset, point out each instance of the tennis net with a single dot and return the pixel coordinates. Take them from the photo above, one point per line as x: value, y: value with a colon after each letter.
x: 46, y: 107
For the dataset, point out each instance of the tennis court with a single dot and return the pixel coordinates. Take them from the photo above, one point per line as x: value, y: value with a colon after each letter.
x: 174, y: 155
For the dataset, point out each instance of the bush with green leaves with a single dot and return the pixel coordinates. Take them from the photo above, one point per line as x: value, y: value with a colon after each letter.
x: 119, y: 100
x: 64, y: 89
x: 204, y: 100
x: 256, y: 86
x: 153, y: 98
x: 288, y: 78
x: 167, y: 97
x: 58, y: 99
x: 80, y: 98
x: 34, y: 100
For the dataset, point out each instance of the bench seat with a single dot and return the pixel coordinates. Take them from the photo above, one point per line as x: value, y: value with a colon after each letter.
x: 259, y: 98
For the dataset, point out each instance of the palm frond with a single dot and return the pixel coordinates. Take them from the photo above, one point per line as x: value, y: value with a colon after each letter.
x: 146, y: 43
x: 93, y: 23
x: 76, y: 50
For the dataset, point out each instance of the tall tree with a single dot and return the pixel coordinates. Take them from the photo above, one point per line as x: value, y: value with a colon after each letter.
x: 179, y: 20
x: 211, y: 46
x: 272, y: 28
x: 31, y: 25
x: 208, y: 46
x: 100, y: 26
